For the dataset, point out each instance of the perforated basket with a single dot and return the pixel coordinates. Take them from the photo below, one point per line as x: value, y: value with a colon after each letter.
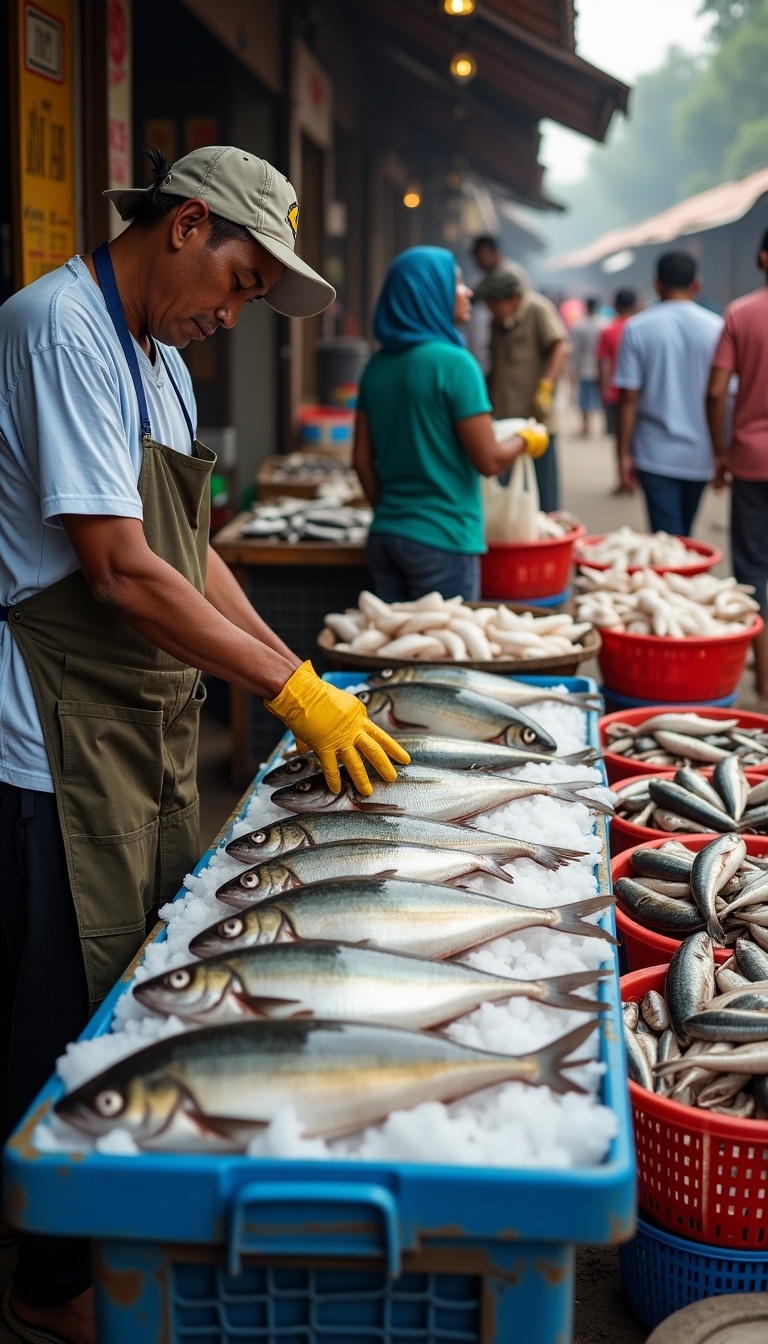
x: 702, y: 1175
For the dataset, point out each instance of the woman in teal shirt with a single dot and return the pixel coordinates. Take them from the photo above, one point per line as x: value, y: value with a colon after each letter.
x: 424, y: 436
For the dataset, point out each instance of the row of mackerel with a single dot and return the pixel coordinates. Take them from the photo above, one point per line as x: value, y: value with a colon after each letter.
x: 704, y: 1042
x: 691, y: 802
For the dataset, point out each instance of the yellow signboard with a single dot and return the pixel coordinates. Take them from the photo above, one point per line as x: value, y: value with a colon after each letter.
x: 45, y: 189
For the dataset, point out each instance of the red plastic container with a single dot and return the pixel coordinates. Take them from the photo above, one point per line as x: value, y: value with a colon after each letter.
x: 528, y: 569
x: 642, y: 946
x: 703, y: 557
x: 625, y: 834
x: 648, y: 667
x: 619, y: 767
x: 702, y: 1175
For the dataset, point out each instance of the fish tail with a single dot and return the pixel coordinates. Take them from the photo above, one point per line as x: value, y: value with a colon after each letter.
x: 570, y: 793
x: 716, y: 931
x: 549, y: 856
x: 587, y: 756
x: 557, y: 991
x: 573, y: 918
x: 585, y: 700
x: 552, y: 1060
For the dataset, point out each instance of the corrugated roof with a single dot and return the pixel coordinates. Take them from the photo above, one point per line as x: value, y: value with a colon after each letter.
x: 706, y: 210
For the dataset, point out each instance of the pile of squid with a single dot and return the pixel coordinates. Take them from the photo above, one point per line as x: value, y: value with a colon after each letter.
x: 433, y: 629
x: 704, y: 1041
x: 637, y: 550
x: 679, y: 738
x: 676, y: 891
x: 668, y: 605
x: 692, y: 803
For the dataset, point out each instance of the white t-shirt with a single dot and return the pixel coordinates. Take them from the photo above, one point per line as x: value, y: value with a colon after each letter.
x: 70, y: 442
x: 666, y: 352
x: 584, y: 338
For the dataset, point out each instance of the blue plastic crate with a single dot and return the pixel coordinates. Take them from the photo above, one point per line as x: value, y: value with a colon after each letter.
x: 214, y: 1250
x: 663, y: 1274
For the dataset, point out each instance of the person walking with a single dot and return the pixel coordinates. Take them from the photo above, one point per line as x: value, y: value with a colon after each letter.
x: 743, y: 350
x: 662, y: 373
x: 424, y: 435
x: 529, y: 353
x: 625, y: 304
x: 112, y: 604
x: 584, y: 339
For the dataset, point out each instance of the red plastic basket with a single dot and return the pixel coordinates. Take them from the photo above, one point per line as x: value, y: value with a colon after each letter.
x: 648, y: 667
x: 619, y: 767
x: 704, y: 1176
x: 643, y: 947
x: 625, y: 834
x: 529, y: 569
x: 708, y: 557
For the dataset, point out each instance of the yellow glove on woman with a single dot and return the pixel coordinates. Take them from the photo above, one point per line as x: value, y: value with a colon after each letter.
x: 536, y: 439
x: 335, y: 724
x: 542, y: 401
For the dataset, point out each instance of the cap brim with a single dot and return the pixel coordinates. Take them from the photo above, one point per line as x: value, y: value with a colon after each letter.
x: 300, y: 291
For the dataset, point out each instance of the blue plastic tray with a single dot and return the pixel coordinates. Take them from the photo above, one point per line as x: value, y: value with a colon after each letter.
x: 459, y: 1231
x: 662, y: 1274
x: 629, y: 701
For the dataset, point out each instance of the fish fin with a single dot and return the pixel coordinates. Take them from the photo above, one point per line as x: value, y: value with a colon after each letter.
x: 572, y: 918
x: 382, y: 809
x: 385, y: 872
x: 260, y: 1004
x: 551, y: 857
x: 494, y: 870
x: 557, y: 991
x: 716, y: 931
x: 552, y: 1060
x: 571, y: 794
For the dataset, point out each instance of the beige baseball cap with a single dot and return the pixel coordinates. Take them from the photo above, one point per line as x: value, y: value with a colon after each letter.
x: 246, y: 190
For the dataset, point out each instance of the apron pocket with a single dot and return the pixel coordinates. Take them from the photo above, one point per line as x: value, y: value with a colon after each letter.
x: 180, y: 745
x: 112, y: 768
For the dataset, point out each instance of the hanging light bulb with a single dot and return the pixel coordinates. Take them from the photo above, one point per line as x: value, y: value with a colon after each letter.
x: 463, y: 67
x: 412, y: 198
x: 458, y: 9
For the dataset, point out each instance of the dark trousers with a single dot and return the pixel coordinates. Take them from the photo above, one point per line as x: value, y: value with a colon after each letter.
x: 671, y: 503
x: 749, y: 536
x: 44, y: 1005
x: 403, y: 570
x: 547, y: 477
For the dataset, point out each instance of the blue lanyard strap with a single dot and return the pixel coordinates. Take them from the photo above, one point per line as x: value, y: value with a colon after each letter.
x: 106, y: 276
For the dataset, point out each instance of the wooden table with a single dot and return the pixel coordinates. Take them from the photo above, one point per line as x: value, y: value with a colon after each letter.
x: 292, y: 585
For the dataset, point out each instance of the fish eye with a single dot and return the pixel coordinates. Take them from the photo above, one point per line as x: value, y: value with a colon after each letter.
x: 304, y: 786
x: 249, y: 880
x: 178, y: 979
x: 231, y: 928
x: 109, y: 1103
x: 295, y: 767
x: 386, y: 673
x: 528, y: 736
x: 364, y: 697
x: 258, y: 837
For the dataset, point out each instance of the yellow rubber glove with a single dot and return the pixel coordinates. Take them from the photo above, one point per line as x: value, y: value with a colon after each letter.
x: 542, y: 401
x: 334, y: 724
x: 536, y: 439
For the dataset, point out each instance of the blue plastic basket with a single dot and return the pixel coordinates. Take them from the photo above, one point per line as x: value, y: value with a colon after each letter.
x: 221, y: 1250
x: 629, y: 701
x: 662, y: 1273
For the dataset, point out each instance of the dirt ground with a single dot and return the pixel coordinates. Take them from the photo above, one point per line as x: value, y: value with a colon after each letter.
x: 588, y: 477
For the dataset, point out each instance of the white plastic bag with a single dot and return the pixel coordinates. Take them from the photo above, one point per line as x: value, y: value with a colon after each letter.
x: 512, y: 511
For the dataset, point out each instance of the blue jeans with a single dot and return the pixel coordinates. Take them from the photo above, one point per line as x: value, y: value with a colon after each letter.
x: 403, y: 570
x: 671, y: 504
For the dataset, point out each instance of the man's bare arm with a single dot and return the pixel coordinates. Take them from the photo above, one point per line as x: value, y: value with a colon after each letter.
x: 362, y: 460
x: 224, y: 593
x: 153, y: 598
x: 717, y: 399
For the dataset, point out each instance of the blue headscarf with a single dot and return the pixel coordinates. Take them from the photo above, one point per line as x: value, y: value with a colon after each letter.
x: 418, y: 300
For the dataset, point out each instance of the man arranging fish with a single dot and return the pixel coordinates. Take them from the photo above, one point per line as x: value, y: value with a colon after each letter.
x: 328, y: 989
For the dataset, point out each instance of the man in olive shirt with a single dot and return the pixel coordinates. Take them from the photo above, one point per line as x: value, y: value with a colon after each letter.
x: 529, y: 350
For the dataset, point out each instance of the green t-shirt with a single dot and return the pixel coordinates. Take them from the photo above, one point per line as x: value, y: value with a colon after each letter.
x: 429, y: 489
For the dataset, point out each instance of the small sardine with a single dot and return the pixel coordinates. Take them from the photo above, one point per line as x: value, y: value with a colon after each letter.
x: 713, y: 866
x: 758, y: 794
x: 692, y: 725
x: 451, y: 712
x: 720, y: 1089
x: 694, y: 782
x: 419, y: 918
x: 727, y: 1024
x: 505, y: 689
x: 751, y: 1058
x: 638, y: 1063
x: 356, y: 858
x: 655, y: 1011
x: 690, y: 982
x: 666, y: 794
x: 730, y: 782
x: 663, y: 914
x: 442, y: 752
x: 668, y: 1049
x: 631, y: 1013
x: 423, y: 791
x: 215, y: 1088
x: 667, y: 864
x: 690, y: 748
x: 336, y: 982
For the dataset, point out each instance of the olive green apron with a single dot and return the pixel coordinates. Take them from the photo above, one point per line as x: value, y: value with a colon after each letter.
x: 120, y: 719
